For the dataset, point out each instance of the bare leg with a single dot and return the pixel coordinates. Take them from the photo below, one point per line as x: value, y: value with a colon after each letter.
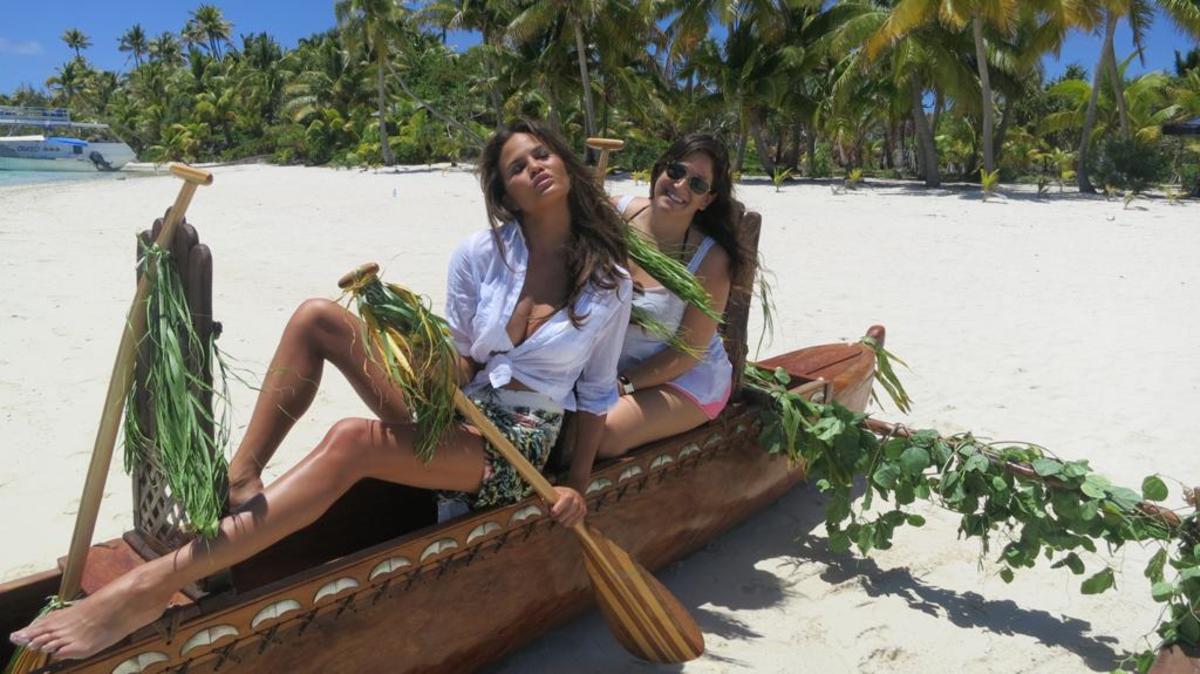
x: 318, y: 331
x: 646, y: 416
x: 353, y: 449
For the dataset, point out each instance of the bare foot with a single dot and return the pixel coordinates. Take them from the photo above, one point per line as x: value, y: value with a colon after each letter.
x: 242, y: 490
x: 97, y: 622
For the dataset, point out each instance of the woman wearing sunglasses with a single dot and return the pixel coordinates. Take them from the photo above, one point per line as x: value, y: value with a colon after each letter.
x: 691, y: 215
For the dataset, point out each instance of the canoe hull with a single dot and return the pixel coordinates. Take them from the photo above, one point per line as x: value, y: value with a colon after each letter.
x: 459, y: 595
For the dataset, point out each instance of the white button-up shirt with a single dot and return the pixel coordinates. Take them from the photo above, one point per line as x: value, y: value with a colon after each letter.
x: 577, y: 367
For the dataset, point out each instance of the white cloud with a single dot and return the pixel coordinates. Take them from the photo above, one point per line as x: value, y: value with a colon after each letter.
x: 28, y: 48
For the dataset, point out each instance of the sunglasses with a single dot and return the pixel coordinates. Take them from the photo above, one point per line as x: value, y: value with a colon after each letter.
x: 696, y: 184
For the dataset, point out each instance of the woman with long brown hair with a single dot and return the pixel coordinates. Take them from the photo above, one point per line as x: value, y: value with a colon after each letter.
x: 536, y: 307
x: 690, y: 214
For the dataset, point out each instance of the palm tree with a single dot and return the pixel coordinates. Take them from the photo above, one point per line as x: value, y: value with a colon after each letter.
x: 578, y: 16
x: 999, y: 15
x: 371, y: 25
x: 166, y: 49
x: 209, y: 23
x: 134, y: 40
x: 1139, y: 13
x: 76, y: 40
x: 67, y: 81
x: 491, y: 19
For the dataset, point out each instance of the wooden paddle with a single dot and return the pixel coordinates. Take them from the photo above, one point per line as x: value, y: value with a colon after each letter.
x: 118, y: 387
x: 643, y: 615
x: 605, y: 146
x: 114, y: 405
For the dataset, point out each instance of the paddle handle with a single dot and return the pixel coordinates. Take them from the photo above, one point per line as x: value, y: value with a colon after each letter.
x: 118, y: 387
x: 605, y: 146
x: 479, y: 420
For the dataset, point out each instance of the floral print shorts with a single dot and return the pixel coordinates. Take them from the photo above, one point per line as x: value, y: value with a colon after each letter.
x: 531, y: 422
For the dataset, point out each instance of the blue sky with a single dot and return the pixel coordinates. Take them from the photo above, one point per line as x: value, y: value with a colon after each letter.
x: 31, y: 48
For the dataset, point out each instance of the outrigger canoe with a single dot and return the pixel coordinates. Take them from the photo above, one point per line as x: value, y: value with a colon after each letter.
x: 378, y: 585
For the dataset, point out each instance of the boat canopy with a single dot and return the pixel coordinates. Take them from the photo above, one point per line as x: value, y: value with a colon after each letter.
x: 1190, y: 127
x: 45, y: 117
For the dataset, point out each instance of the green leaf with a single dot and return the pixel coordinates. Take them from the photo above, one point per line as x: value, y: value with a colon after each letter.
x: 915, y: 520
x: 781, y: 375
x: 886, y: 475
x: 1094, y: 486
x: 1154, y: 489
x: 1071, y: 561
x: 1047, y: 467
x: 1089, y: 510
x: 977, y: 462
x: 1162, y: 591
x: 1006, y: 574
x: 1099, y: 582
x: 1125, y: 498
x: 1074, y: 469
x: 1189, y: 573
x: 1154, y: 569
x: 839, y: 542
x: 914, y: 460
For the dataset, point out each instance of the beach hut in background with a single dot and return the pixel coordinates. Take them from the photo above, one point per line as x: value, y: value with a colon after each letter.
x: 1189, y: 127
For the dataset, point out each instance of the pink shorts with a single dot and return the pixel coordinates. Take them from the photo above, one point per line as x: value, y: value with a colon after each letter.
x: 711, y: 410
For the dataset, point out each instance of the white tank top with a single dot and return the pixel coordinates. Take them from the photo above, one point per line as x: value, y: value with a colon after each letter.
x: 708, y: 381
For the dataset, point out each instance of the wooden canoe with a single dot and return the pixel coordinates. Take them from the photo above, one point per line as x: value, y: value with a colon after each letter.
x: 376, y: 585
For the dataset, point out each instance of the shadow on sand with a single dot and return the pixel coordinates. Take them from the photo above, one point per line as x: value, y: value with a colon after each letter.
x: 724, y: 574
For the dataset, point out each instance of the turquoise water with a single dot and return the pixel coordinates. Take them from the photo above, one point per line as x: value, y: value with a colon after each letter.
x: 27, y: 177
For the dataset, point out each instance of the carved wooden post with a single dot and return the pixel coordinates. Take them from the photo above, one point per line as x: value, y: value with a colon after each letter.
x: 158, y: 518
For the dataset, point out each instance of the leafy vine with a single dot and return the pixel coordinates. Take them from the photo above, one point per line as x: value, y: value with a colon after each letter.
x: 1047, y: 507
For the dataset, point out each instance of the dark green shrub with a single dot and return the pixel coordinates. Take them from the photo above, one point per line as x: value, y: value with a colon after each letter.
x: 1130, y: 165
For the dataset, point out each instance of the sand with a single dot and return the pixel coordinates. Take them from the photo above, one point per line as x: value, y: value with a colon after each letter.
x: 1068, y: 321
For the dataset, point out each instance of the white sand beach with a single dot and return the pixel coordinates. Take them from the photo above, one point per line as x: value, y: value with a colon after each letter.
x: 1069, y: 321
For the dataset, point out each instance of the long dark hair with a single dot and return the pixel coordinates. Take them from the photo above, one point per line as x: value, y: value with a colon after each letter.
x: 720, y: 219
x: 596, y: 249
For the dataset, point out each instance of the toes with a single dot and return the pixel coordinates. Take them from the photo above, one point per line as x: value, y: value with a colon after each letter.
x: 38, y: 643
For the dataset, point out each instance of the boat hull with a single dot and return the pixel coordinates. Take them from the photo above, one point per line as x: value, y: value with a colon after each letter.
x: 456, y: 596
x: 49, y: 156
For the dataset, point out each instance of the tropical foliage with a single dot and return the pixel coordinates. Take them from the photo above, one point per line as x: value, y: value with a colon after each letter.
x: 892, y: 88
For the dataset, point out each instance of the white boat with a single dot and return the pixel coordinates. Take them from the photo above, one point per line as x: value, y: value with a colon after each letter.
x: 46, y: 139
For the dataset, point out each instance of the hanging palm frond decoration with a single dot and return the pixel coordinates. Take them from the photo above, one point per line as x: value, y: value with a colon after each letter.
x: 413, y: 345
x: 672, y: 274
x: 655, y: 328
x: 178, y: 442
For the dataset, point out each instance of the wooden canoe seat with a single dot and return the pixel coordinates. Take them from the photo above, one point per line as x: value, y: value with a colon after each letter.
x: 108, y: 560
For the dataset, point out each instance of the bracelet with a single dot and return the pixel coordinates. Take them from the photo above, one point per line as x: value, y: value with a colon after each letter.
x: 626, y: 385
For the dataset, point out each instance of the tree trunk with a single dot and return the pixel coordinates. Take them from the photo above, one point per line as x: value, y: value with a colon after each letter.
x: 432, y: 110
x: 889, y: 144
x: 928, y: 151
x: 385, y: 148
x: 740, y: 156
x: 494, y: 74
x: 581, y: 52
x: 1118, y: 86
x: 758, y: 130
x: 985, y: 89
x: 779, y: 144
x: 810, y: 140
x: 1089, y: 119
x: 794, y: 161
x: 1002, y: 132
x: 939, y: 104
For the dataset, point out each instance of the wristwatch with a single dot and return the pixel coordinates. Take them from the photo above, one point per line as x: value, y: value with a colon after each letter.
x: 626, y: 385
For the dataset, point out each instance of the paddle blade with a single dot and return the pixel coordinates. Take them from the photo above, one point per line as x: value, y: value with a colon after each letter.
x: 643, y: 615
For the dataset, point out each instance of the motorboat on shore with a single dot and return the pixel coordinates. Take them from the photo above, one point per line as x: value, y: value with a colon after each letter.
x: 47, y: 139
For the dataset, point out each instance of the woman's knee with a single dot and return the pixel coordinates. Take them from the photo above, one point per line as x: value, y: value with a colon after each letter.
x: 318, y: 316
x: 346, y: 447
